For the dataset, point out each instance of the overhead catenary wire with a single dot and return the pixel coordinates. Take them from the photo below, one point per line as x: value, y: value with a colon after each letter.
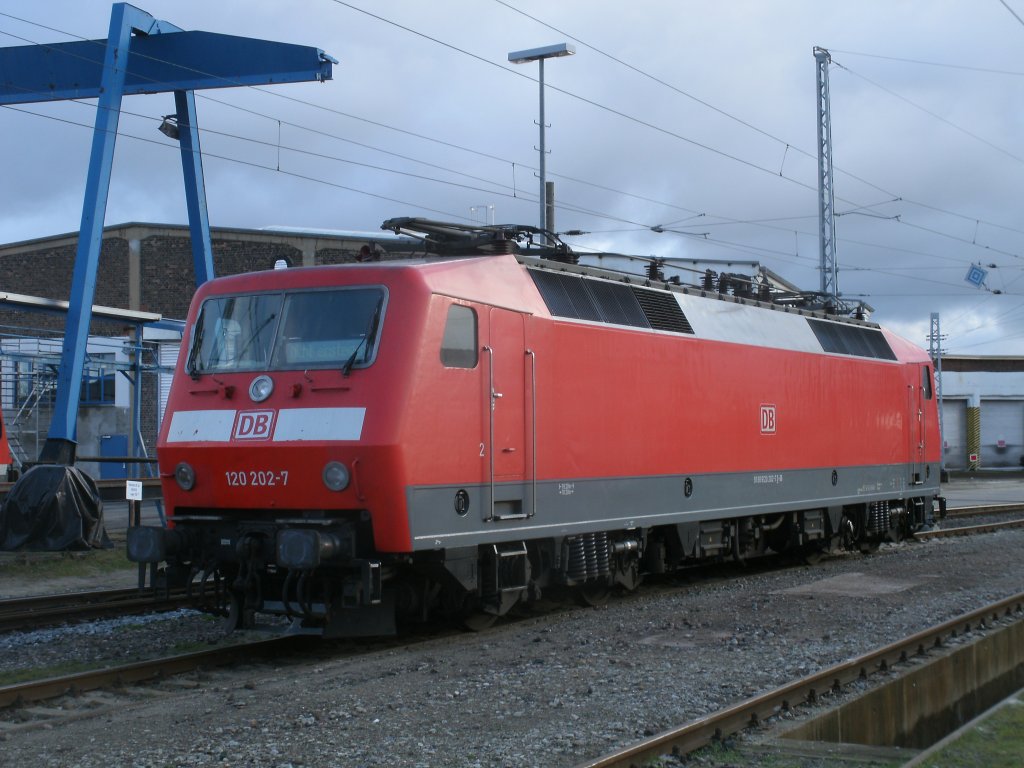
x: 566, y: 207
x: 697, y: 237
x: 513, y: 71
x: 251, y: 164
x: 932, y: 113
x: 1012, y: 12
x: 482, y: 59
x: 563, y: 206
x: 946, y: 65
x: 788, y: 145
x: 284, y: 96
x: 433, y: 39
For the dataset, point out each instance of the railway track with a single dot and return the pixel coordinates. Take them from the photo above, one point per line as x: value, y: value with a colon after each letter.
x: 116, y: 678
x: 753, y: 711
x: 141, y: 671
x: 984, y: 509
x: 23, y: 613
x: 968, y: 530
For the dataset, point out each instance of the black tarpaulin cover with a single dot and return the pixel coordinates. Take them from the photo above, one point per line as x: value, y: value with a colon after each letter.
x: 53, y: 508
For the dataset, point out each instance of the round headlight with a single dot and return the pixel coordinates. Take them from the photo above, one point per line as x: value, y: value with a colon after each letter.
x: 336, y: 476
x: 185, y: 476
x: 260, y: 388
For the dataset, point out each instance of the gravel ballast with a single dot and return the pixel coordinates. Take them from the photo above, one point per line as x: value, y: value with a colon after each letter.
x: 548, y: 690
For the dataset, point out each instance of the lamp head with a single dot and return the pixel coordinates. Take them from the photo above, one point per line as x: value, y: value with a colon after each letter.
x: 547, y: 52
x: 169, y: 127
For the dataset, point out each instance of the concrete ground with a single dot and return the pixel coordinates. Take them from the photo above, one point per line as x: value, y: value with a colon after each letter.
x: 986, y: 488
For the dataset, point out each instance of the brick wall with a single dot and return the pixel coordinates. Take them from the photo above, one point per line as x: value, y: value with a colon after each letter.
x: 47, y: 273
x: 168, y: 278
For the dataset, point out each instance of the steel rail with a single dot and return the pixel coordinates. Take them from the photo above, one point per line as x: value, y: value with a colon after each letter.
x: 985, y: 509
x: 140, y: 671
x: 703, y: 731
x: 21, y: 613
x: 967, y: 530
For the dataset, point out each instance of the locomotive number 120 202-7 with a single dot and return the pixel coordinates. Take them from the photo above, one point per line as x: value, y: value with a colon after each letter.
x: 257, y: 478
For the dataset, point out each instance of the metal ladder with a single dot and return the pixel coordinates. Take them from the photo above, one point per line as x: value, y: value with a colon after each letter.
x: 25, y: 423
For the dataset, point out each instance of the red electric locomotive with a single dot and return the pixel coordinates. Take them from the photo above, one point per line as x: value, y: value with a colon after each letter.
x: 359, y: 444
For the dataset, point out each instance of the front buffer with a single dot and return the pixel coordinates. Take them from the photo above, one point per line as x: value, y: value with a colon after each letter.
x: 293, y: 530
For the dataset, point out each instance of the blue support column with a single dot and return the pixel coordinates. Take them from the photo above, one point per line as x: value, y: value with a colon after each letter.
x: 195, y: 189
x: 62, y: 437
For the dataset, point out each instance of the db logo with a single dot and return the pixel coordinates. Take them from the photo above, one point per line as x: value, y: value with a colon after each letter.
x: 767, y: 419
x: 253, y: 425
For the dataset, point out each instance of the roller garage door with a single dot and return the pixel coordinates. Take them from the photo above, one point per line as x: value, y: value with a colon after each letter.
x: 1002, y: 433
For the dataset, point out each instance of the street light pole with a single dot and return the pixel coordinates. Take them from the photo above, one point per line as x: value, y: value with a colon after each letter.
x: 539, y: 55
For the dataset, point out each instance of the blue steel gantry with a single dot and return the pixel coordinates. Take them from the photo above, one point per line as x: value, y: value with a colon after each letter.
x: 140, y: 55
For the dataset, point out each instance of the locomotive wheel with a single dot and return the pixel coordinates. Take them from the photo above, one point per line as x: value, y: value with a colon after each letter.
x: 238, y: 617
x: 471, y: 615
x: 478, y: 621
x: 848, y: 534
x: 813, y: 554
x: 868, y: 547
x: 593, y: 593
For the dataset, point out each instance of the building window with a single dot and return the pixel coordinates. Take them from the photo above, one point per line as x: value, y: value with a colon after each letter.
x: 459, y: 345
x: 97, y: 386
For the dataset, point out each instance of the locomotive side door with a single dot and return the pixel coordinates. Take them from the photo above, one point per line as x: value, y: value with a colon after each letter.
x: 916, y: 423
x: 505, y: 399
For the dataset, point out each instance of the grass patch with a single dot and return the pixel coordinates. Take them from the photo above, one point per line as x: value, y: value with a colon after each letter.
x: 997, y: 742
x: 57, y: 565
x: 43, y: 673
x: 63, y: 669
x: 194, y: 646
x: 728, y: 754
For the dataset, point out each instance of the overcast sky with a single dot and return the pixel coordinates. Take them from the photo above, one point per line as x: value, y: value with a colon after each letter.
x: 696, y: 116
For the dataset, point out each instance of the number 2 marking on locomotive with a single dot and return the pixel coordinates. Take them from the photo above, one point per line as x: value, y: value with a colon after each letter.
x: 481, y: 450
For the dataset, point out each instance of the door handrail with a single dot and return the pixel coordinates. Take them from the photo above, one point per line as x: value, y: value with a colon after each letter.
x: 490, y: 441
x: 533, y: 429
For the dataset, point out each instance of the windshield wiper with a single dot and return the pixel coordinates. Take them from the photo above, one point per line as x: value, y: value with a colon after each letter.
x: 366, y: 341
x: 193, y: 355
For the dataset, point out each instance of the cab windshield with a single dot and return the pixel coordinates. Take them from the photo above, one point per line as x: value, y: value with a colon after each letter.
x: 280, y: 331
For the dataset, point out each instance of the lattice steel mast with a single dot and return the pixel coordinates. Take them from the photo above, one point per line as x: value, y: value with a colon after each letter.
x: 935, y: 352
x: 826, y: 199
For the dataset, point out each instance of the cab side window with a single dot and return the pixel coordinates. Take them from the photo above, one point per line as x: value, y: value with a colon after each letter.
x: 459, y: 346
x: 926, y: 382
